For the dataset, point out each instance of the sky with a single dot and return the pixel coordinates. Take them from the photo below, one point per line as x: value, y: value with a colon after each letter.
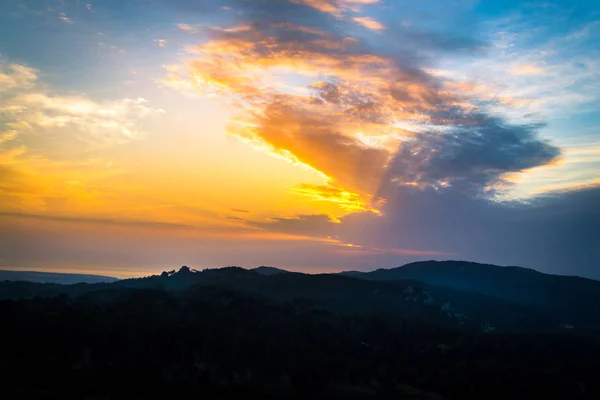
x: 137, y: 136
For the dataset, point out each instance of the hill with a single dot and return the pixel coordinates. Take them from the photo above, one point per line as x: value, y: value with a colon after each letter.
x: 400, y: 298
x: 269, y: 270
x: 51, y: 277
x: 229, y: 333
x: 570, y: 298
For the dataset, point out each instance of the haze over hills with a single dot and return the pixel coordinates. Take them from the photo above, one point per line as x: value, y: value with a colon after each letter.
x: 449, y: 292
x: 53, y: 277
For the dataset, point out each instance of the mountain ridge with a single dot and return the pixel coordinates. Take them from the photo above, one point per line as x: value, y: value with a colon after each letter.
x: 451, y: 292
x: 515, y: 283
x: 53, y: 277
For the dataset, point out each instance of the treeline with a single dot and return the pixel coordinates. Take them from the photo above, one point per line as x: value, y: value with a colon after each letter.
x: 211, y: 342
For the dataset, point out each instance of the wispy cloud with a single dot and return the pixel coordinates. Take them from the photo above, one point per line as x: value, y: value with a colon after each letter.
x: 14, y: 76
x: 335, y: 7
x: 27, y: 108
x: 239, y: 210
x: 369, y: 23
x: 527, y: 70
x: 551, y: 66
x: 63, y: 17
x: 46, y: 138
x: 7, y: 136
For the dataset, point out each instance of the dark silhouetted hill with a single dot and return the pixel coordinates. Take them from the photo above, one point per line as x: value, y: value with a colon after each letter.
x: 50, y: 277
x: 267, y: 271
x: 384, y: 293
x: 424, y: 331
x: 575, y: 300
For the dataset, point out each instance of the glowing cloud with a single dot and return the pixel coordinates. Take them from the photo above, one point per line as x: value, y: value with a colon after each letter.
x: 527, y: 70
x: 26, y: 108
x: 369, y: 23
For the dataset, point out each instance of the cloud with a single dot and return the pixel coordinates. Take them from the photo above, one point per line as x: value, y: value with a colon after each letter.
x: 312, y: 138
x: 333, y: 234
x: 78, y: 220
x: 63, y: 17
x: 272, y: 9
x: 369, y: 23
x: 365, y: 117
x: 49, y: 144
x: 472, y: 158
x: 335, y: 7
x: 527, y: 70
x: 142, y: 250
x: 14, y: 76
x: 239, y: 210
x: 108, y: 122
x: 27, y: 108
x: 343, y: 126
x: 367, y: 94
x: 548, y: 63
x: 347, y: 201
x: 7, y: 136
x: 556, y: 233
x: 305, y: 225
x: 540, y: 67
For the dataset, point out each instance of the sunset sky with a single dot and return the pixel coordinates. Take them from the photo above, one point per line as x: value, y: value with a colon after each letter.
x: 314, y: 135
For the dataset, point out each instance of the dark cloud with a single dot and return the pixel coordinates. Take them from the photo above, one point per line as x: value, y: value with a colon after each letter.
x: 411, y: 40
x: 303, y: 225
x: 251, y: 11
x: 556, y: 233
x: 470, y: 156
x: 239, y: 210
x: 103, y: 221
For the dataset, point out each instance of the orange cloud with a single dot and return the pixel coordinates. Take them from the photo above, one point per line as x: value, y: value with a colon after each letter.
x: 343, y: 125
x: 335, y: 7
x: 369, y: 23
x: 312, y: 138
x: 527, y: 70
x: 347, y: 201
x: 358, y: 250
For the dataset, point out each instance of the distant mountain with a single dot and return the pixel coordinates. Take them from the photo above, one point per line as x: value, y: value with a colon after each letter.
x: 353, y: 274
x: 50, y: 277
x: 571, y: 298
x: 473, y: 296
x: 397, y: 299
x: 513, y: 283
x: 268, y: 271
